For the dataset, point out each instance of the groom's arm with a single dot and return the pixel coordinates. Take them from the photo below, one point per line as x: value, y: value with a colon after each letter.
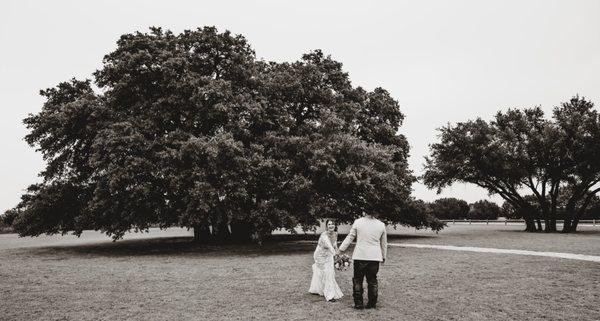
x: 349, y: 238
x: 383, y: 242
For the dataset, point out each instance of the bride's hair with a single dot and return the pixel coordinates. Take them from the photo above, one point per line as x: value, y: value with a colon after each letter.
x: 332, y: 221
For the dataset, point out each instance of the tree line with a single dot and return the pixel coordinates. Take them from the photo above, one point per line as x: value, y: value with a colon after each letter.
x: 457, y: 209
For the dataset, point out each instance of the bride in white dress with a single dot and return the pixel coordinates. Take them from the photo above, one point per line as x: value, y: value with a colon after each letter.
x: 323, y: 278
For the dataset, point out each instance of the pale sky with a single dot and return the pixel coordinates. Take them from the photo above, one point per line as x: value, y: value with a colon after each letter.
x: 444, y: 61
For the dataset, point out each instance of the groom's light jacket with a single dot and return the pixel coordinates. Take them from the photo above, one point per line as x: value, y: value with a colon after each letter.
x: 371, y: 239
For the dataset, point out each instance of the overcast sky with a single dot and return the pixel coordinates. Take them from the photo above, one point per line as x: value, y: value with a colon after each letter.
x: 444, y: 61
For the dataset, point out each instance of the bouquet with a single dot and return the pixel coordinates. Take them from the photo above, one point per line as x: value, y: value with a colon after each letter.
x: 341, y: 262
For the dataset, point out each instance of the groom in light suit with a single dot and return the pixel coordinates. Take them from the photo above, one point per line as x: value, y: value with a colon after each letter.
x: 370, y: 250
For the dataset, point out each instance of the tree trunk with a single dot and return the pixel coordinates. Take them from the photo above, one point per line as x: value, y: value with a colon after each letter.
x: 525, y: 212
x: 553, y: 204
x: 529, y: 224
x: 551, y: 223
x: 547, y: 225
x: 574, y: 225
x: 241, y: 232
x: 201, y: 233
x: 581, y: 210
x: 221, y: 232
x: 545, y: 216
x: 569, y: 215
x: 566, y: 225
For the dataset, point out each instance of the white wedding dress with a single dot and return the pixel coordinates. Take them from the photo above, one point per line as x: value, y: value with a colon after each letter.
x: 323, y: 277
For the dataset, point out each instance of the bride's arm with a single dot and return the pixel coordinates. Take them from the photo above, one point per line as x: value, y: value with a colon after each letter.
x: 335, y: 242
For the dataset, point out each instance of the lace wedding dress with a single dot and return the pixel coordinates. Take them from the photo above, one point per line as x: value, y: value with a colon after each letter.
x: 323, y: 277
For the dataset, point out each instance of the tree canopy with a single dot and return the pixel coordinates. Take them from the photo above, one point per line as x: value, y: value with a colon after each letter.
x: 193, y: 130
x: 521, y: 152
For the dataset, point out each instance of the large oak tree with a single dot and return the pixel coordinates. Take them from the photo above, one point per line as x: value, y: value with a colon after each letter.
x: 193, y: 130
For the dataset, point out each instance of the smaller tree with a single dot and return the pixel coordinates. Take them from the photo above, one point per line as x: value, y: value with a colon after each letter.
x: 484, y: 210
x: 449, y: 208
x: 523, y: 151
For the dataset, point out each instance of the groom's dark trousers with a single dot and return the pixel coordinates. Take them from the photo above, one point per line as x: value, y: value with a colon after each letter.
x: 364, y: 269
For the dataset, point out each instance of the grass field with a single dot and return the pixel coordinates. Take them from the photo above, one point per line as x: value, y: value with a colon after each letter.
x: 163, y: 276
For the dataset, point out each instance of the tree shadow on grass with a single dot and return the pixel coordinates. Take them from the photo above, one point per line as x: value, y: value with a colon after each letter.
x: 303, y: 244
x: 410, y: 237
x: 172, y: 246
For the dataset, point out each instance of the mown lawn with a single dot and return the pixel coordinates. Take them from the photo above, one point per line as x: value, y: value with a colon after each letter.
x: 169, y: 278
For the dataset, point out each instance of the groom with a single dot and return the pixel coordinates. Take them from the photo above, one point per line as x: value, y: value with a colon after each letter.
x: 370, y: 250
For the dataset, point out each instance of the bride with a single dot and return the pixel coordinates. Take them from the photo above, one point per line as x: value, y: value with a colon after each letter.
x: 323, y: 278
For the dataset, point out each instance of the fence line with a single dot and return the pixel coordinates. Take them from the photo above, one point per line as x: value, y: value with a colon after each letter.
x: 507, y: 221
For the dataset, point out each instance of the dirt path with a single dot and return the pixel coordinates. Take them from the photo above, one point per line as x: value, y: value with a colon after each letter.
x: 570, y: 256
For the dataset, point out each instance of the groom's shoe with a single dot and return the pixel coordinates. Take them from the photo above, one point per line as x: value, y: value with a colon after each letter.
x: 358, y: 307
x: 371, y: 306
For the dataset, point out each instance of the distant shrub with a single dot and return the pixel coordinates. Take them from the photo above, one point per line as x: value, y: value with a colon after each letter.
x: 449, y: 208
x: 418, y: 211
x: 6, y: 221
x: 484, y: 210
